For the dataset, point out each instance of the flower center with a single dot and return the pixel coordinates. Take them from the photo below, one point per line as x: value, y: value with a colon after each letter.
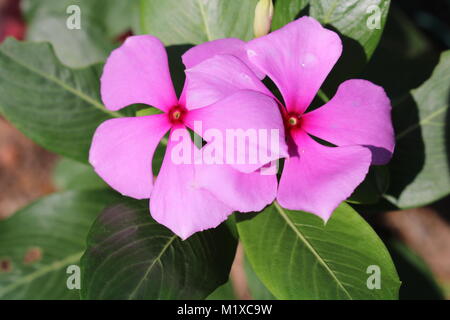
x: 176, y: 114
x: 293, y: 120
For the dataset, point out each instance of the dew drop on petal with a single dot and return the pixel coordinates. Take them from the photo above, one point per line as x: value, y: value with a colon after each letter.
x: 245, y: 77
x: 308, y: 60
x: 251, y: 53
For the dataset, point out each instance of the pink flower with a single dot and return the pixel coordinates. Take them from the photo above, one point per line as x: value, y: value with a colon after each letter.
x: 357, y: 120
x: 185, y: 197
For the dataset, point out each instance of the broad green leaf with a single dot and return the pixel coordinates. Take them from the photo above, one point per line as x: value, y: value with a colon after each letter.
x: 286, y: 11
x: 258, y: 290
x: 116, y: 15
x: 420, y: 167
x: 101, y: 22
x: 39, y: 242
x: 130, y: 256
x: 73, y: 175
x: 57, y: 107
x: 296, y: 256
x: 196, y: 21
x: 353, y: 19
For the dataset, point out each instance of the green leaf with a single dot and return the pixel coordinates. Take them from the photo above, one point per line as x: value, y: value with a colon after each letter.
x: 130, y: 256
x: 418, y: 282
x: 40, y: 241
x: 73, y: 175
x: 57, y: 107
x: 196, y: 21
x: 419, y: 169
x: 148, y: 112
x: 296, y: 256
x: 286, y: 11
x: 101, y: 22
x: 258, y: 290
x: 351, y: 19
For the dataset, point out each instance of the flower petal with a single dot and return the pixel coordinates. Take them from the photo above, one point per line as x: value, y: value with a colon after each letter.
x: 250, y: 126
x: 122, y: 151
x: 138, y: 72
x: 179, y: 203
x: 244, y: 192
x: 359, y: 114
x: 318, y: 178
x: 298, y: 58
x: 204, y: 51
x: 217, y: 78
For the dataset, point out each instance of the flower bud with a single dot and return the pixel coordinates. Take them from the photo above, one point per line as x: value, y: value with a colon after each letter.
x: 263, y: 18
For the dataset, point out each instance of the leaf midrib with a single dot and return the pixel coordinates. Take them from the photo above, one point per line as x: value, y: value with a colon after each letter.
x: 311, y: 248
x: 209, y: 36
x: 424, y: 121
x: 327, y: 15
x: 150, y: 267
x: 65, y: 86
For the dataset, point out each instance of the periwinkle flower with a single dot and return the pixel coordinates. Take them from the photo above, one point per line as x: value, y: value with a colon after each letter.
x: 185, y: 197
x: 356, y: 121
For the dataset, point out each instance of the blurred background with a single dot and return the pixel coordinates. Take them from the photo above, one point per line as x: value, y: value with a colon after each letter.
x: 419, y: 239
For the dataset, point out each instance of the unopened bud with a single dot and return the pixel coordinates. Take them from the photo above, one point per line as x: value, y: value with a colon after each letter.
x: 263, y: 18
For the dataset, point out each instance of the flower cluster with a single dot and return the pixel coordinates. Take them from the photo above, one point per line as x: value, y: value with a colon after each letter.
x: 223, y: 91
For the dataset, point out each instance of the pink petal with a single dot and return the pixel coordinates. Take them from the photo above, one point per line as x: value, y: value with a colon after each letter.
x: 244, y: 192
x: 359, y: 114
x: 207, y: 50
x: 180, y: 203
x: 318, y: 178
x: 138, y: 72
x: 246, y: 112
x: 217, y: 78
x: 122, y: 151
x: 298, y: 58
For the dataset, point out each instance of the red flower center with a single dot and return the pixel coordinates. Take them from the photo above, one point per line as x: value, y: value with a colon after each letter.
x: 176, y: 114
x: 293, y: 120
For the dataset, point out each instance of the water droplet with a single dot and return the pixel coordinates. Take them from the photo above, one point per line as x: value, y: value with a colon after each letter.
x: 251, y: 53
x: 245, y: 77
x: 308, y: 60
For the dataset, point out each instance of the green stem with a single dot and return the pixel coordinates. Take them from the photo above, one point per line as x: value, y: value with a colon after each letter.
x: 323, y: 96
